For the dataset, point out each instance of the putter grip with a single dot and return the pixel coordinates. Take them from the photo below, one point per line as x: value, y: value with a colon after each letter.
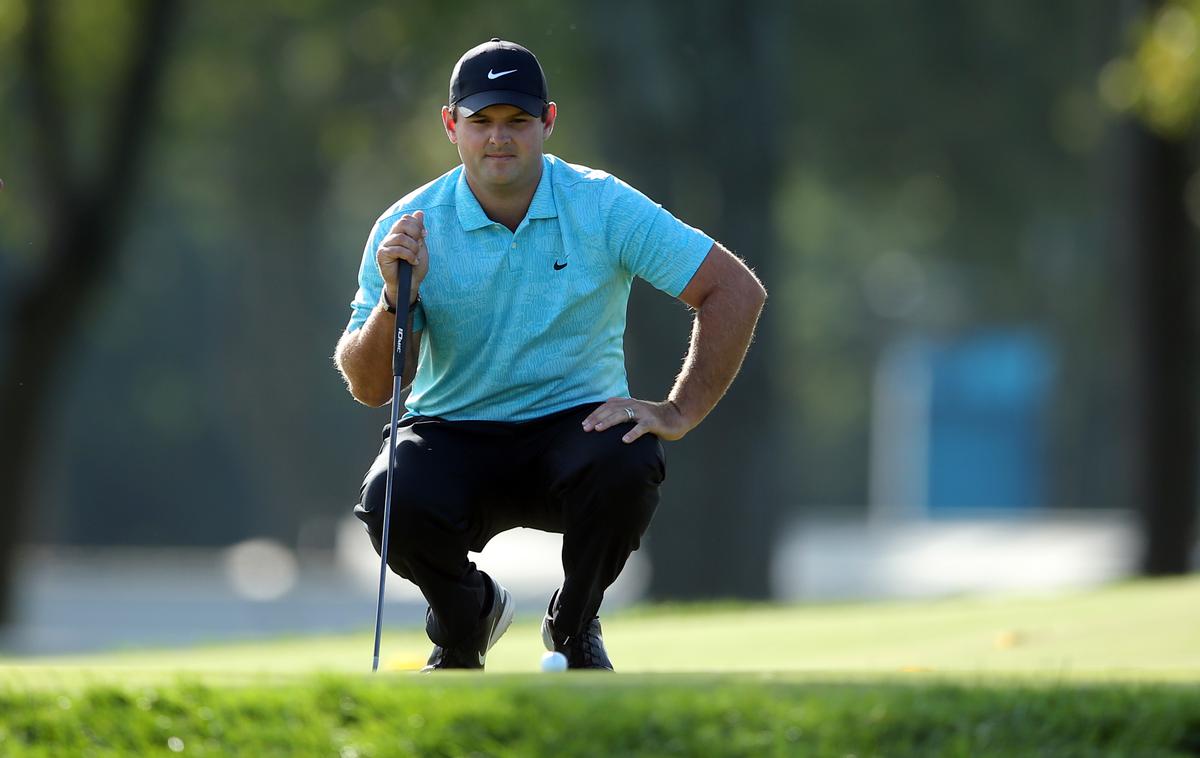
x: 403, y: 285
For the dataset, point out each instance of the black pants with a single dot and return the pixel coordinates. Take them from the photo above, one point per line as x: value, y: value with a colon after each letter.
x: 460, y: 483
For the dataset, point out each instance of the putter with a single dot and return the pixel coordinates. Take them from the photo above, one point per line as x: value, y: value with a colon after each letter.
x: 403, y: 284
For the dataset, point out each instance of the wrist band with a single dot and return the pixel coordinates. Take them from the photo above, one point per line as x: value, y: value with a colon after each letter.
x: 383, y: 303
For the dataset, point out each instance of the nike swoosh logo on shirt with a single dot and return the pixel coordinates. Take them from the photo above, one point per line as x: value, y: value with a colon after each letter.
x: 502, y: 73
x: 560, y: 266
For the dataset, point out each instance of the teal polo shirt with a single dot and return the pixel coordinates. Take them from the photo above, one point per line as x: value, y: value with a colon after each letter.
x: 517, y: 325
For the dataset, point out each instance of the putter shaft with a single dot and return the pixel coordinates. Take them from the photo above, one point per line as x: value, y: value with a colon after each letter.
x: 404, y: 276
x: 387, y: 520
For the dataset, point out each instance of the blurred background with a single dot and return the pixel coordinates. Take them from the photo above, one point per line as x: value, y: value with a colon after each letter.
x: 976, y: 371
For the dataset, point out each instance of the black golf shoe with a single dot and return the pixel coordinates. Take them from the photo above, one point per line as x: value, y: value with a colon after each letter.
x: 491, y: 627
x: 584, y: 650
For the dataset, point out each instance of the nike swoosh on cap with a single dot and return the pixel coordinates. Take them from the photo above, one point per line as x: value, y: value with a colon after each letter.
x: 502, y: 73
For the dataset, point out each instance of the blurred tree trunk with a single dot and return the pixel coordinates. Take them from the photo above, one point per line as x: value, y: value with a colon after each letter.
x: 1162, y: 246
x: 1159, y: 247
x: 690, y: 124
x: 84, y: 218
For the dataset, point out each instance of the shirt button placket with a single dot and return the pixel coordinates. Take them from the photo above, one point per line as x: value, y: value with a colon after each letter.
x: 514, y: 263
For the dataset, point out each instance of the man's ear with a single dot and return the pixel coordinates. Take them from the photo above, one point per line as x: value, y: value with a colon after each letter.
x: 548, y: 121
x: 450, y: 124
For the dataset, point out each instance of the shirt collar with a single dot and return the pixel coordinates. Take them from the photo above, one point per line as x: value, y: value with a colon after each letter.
x: 470, y: 212
x: 543, y: 205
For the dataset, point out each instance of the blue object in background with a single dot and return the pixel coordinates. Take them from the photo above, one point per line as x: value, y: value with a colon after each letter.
x: 989, y: 397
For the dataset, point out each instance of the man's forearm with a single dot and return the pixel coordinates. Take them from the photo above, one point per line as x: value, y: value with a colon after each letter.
x: 364, y: 357
x: 721, y: 335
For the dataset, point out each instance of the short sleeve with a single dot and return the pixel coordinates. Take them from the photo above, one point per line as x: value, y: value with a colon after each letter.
x: 370, y: 281
x: 652, y: 243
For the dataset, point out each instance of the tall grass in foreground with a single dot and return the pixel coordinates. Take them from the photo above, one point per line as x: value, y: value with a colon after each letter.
x: 604, y: 715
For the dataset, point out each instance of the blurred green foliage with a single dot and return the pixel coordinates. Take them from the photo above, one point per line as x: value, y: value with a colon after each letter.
x: 1159, y: 78
x: 942, y: 170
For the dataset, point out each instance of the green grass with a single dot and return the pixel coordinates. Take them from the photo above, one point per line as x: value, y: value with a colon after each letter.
x: 1141, y: 631
x: 1114, y: 671
x: 598, y: 715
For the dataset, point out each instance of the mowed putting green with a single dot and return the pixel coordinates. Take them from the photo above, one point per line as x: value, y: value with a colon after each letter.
x: 1146, y: 631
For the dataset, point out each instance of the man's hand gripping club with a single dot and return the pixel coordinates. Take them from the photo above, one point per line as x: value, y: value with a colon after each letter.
x: 405, y: 241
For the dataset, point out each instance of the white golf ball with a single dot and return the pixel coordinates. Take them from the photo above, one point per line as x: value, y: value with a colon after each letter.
x: 554, y: 661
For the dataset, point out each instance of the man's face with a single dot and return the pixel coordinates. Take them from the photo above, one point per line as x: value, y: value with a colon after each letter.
x: 500, y: 145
